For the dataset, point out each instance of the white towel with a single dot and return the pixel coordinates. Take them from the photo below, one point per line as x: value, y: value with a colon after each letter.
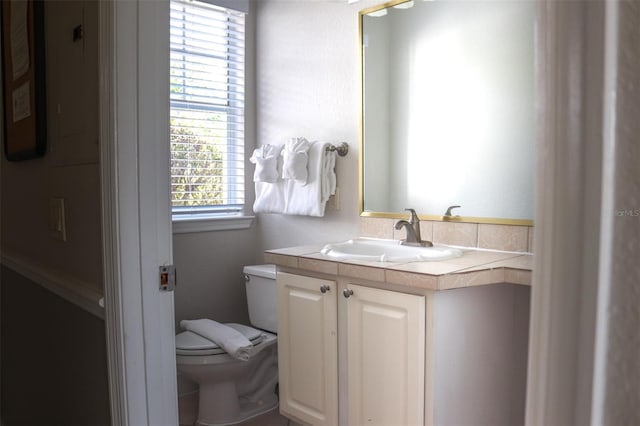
x: 329, y: 181
x: 295, y: 159
x: 289, y: 197
x: 269, y: 193
x: 310, y: 200
x: 266, y: 158
x: 233, y: 342
x: 269, y: 197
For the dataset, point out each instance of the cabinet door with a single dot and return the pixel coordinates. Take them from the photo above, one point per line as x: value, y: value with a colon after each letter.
x: 307, y: 349
x: 385, y: 361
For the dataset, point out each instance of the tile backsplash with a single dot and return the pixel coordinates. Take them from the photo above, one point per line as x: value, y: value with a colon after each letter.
x: 481, y: 235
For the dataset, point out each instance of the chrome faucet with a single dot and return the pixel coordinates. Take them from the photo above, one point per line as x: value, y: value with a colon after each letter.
x: 448, y: 215
x: 412, y: 226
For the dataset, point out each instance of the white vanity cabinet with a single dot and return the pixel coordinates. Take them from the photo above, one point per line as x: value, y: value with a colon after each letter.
x: 385, y: 356
x: 308, y: 349
x: 381, y: 335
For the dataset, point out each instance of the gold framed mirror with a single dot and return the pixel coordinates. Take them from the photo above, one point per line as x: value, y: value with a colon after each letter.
x: 448, y: 110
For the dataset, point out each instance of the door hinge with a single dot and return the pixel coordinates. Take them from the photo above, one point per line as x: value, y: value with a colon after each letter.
x: 167, y: 278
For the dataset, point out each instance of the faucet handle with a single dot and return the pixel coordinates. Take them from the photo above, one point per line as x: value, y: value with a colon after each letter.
x: 414, y: 216
x: 448, y: 212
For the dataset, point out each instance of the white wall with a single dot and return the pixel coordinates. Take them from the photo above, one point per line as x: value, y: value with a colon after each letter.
x: 308, y: 85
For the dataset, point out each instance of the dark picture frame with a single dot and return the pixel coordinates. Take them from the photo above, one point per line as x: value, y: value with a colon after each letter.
x: 23, y: 79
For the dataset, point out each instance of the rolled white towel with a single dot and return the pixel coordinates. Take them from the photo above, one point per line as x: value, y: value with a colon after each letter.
x: 295, y: 166
x: 233, y: 342
x: 266, y: 160
x: 295, y: 159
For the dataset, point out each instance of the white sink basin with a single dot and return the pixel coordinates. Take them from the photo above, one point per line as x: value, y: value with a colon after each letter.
x: 372, y: 249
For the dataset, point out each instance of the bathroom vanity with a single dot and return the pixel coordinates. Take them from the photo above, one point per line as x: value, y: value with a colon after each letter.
x: 402, y: 343
x: 380, y: 335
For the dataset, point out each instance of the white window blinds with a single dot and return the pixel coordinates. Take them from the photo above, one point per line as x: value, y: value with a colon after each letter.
x: 207, y: 108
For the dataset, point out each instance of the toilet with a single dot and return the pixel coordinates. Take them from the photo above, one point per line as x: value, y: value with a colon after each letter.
x: 230, y: 390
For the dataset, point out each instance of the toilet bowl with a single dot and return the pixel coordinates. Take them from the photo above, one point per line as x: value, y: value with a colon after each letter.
x: 231, y: 390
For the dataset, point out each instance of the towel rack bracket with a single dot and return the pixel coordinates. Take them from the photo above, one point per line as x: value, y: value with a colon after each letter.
x: 341, y: 149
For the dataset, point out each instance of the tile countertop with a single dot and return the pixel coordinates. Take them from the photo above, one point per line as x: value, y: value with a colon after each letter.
x: 475, y: 267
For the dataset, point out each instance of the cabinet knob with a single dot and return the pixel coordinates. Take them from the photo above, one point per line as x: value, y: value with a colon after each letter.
x: 347, y: 292
x: 325, y: 288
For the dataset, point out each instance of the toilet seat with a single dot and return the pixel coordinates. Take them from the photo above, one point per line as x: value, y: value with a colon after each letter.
x: 191, y: 344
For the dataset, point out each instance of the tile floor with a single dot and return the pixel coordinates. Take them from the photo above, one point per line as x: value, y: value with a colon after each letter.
x: 188, y: 409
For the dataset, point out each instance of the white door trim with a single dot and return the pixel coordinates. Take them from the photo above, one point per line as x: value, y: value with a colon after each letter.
x: 552, y: 377
x: 575, y: 124
x: 136, y: 211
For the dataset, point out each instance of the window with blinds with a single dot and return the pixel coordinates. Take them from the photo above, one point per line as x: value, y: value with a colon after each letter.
x: 207, y: 108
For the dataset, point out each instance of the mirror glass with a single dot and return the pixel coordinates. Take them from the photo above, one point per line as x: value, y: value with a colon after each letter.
x: 448, y: 109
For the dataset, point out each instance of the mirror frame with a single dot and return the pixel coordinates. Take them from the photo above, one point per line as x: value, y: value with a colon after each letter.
x: 397, y: 215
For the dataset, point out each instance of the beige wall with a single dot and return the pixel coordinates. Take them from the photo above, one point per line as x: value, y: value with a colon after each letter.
x: 54, y: 367
x: 54, y: 360
x: 209, y: 270
x: 69, y: 169
x: 481, y: 235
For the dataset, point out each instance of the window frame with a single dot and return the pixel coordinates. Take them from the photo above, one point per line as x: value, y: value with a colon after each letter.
x: 188, y: 219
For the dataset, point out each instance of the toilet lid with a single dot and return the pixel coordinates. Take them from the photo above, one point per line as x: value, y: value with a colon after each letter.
x: 188, y: 343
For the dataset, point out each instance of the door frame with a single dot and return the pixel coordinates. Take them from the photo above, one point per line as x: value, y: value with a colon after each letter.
x: 137, y: 220
x: 136, y: 210
x: 574, y: 212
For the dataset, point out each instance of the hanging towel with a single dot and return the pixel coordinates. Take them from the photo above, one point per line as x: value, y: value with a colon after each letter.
x: 269, y: 197
x: 266, y: 159
x: 295, y: 160
x: 311, y: 199
x: 233, y: 342
x: 269, y: 193
x: 289, y: 196
x: 329, y: 181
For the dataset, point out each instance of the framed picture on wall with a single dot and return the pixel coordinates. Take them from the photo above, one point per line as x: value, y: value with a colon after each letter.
x: 23, y: 79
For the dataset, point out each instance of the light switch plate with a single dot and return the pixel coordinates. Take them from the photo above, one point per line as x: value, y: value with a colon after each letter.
x: 57, y: 219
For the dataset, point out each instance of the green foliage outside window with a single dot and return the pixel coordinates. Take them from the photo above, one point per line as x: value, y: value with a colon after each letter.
x: 196, y: 166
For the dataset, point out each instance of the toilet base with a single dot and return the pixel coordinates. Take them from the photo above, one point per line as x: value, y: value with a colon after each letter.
x: 241, y: 390
x: 248, y: 410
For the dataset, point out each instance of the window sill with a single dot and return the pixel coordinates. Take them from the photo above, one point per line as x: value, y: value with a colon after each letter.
x: 205, y: 223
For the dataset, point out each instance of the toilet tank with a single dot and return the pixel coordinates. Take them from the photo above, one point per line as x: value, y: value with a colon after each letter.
x: 262, y: 296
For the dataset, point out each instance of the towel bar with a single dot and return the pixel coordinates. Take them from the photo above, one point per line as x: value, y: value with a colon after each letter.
x: 342, y: 150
